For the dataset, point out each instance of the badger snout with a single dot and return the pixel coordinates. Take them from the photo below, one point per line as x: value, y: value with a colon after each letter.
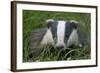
x: 60, y: 46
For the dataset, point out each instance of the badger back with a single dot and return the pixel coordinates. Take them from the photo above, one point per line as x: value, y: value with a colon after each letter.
x: 35, y: 38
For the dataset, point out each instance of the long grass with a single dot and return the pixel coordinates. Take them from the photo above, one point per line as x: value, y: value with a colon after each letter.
x: 36, y: 19
x: 50, y: 53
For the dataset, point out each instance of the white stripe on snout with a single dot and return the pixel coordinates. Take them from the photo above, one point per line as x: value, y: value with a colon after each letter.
x: 60, y: 33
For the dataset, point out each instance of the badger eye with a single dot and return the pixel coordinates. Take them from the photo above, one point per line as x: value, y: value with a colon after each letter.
x: 66, y: 36
x: 55, y: 40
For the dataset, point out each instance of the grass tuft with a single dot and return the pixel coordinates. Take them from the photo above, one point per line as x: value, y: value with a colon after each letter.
x: 50, y: 53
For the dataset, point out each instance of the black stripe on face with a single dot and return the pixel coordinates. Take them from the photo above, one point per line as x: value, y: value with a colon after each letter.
x: 68, y: 30
x: 53, y: 28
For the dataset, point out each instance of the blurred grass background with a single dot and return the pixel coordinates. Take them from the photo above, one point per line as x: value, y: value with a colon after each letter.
x: 36, y: 19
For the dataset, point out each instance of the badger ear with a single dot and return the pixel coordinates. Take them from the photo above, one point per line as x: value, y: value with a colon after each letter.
x: 49, y: 22
x: 74, y: 23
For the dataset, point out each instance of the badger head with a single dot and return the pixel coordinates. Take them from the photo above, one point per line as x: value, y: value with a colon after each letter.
x: 61, y: 33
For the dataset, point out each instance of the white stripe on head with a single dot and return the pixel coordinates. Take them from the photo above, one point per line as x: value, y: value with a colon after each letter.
x: 60, y: 33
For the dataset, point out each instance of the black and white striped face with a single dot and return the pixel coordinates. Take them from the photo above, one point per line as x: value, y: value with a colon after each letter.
x: 62, y: 33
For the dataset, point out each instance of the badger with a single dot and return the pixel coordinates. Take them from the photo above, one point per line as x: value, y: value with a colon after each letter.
x: 59, y: 33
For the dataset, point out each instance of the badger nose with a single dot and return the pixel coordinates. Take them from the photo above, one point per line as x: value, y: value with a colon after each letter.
x: 59, y: 47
